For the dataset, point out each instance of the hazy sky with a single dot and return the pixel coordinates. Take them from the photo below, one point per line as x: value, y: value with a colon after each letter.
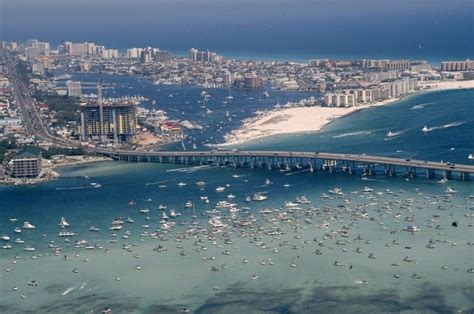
x: 265, y: 26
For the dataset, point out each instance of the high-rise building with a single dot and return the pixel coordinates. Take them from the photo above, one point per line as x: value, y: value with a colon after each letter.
x: 74, y: 89
x: 146, y: 56
x: 453, y: 66
x: 203, y: 56
x: 26, y: 165
x: 108, y: 121
x: 251, y: 80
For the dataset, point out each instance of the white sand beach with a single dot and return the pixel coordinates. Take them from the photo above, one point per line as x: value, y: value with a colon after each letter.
x: 311, y: 119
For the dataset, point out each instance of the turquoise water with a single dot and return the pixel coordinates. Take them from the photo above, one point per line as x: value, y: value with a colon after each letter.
x: 215, y: 272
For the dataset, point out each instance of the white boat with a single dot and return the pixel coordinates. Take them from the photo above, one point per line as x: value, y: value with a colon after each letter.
x: 425, y: 129
x: 67, y: 234
x: 95, y: 185
x: 203, y: 198
x: 231, y: 196
x: 217, y: 223
x: 164, y: 216
x: 412, y: 229
x: 6, y: 246
x: 17, y: 230
x: 224, y: 204
x: 336, y: 191
x: 162, y: 207
x: 19, y: 241
x: 181, y: 184
x: 144, y: 211
x: 449, y: 190
x: 63, y: 223
x: 29, y: 248
x: 27, y: 225
x: 94, y: 229
x: 302, y: 200
x: 366, y: 189
x: 259, y: 197
x: 470, y: 157
x: 189, y: 204
x: 220, y: 189
x: 200, y: 183
x: 5, y: 237
x: 174, y: 214
x: 290, y: 204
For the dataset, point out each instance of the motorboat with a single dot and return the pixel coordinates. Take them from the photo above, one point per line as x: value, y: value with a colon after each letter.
x: 181, y: 184
x: 366, y: 189
x: 27, y: 225
x: 412, y: 229
x: 220, y: 189
x: 29, y: 248
x: 336, y: 191
x: 200, y: 183
x: 94, y: 229
x: 17, y: 230
x: 425, y: 129
x: 5, y: 237
x: 259, y: 197
x: 189, y: 204
x: 449, y: 190
x: 63, y: 223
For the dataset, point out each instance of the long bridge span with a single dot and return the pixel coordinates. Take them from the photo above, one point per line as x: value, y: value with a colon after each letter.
x: 313, y: 161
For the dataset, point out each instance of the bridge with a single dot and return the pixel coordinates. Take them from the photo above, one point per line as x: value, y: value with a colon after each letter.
x: 312, y: 161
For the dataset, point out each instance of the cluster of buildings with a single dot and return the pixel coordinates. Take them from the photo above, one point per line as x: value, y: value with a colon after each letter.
x: 88, y: 49
x: 451, y: 66
x: 204, y: 56
x: 382, y: 91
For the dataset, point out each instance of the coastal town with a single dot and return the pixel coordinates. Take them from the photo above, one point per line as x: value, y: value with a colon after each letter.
x: 48, y: 118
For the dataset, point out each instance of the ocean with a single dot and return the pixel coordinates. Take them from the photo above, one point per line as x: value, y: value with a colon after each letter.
x: 340, y: 253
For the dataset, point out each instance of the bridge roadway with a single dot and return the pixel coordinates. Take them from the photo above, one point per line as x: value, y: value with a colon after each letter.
x: 350, y: 160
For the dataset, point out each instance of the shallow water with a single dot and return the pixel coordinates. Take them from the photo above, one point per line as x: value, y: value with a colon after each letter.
x: 294, y: 280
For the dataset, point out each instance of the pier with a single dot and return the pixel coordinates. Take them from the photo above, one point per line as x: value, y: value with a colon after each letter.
x: 311, y: 161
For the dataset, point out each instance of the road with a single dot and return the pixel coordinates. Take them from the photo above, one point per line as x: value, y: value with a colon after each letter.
x: 389, y: 161
x: 26, y: 105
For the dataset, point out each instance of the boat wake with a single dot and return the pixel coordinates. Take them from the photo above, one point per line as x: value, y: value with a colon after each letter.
x: 420, y: 106
x: 189, y: 169
x: 391, y: 135
x: 352, y: 134
x: 444, y: 126
x: 74, y: 188
x: 155, y: 183
x: 68, y: 290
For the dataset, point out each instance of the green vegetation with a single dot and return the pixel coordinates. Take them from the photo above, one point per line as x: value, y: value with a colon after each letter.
x: 65, y: 108
x: 6, y: 145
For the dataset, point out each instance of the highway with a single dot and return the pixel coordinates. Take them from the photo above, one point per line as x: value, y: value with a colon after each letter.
x: 26, y: 105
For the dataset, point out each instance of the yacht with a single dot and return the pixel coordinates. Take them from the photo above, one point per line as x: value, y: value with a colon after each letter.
x: 259, y: 197
x: 29, y: 248
x: 95, y: 185
x: 17, y: 230
x: 162, y: 207
x: 425, y: 129
x: 144, y: 211
x: 449, y: 190
x: 63, y: 223
x: 302, y: 200
x: 470, y: 157
x: 94, y: 229
x: 200, y: 183
x: 19, y: 241
x: 366, y: 189
x: 412, y: 229
x: 6, y: 246
x: 336, y: 191
x: 189, y: 204
x: 231, y: 196
x: 5, y: 237
x: 290, y: 204
x: 181, y: 184
x: 174, y: 214
x: 27, y: 225
x: 220, y: 189
x: 224, y: 204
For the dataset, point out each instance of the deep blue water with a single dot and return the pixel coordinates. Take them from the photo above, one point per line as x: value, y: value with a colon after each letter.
x: 170, y: 279
x: 293, y: 30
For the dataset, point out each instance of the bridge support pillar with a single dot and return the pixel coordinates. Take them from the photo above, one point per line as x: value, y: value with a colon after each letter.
x: 464, y: 176
x: 448, y: 174
x: 430, y: 173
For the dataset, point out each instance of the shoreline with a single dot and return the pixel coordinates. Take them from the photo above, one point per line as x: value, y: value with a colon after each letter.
x: 299, y: 120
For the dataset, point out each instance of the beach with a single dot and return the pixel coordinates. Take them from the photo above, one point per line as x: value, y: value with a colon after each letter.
x: 281, y: 121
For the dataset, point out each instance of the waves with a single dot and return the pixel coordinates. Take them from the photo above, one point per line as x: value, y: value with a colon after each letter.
x: 394, y: 134
x: 444, y: 126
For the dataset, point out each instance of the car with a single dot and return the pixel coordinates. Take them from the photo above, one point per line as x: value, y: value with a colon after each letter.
x: 452, y: 167
x: 408, y: 159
